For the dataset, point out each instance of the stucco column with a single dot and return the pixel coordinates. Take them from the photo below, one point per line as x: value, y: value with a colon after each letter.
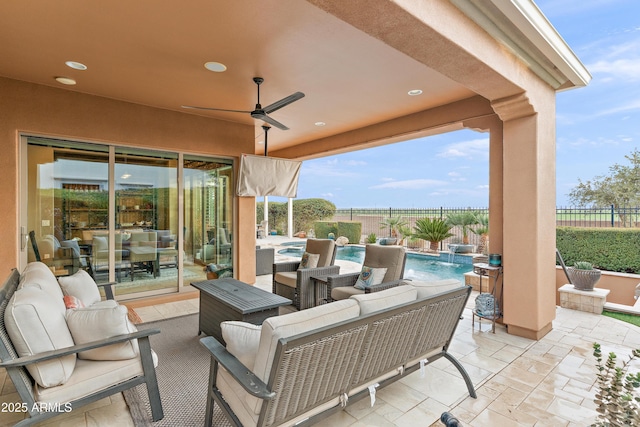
x: 528, y: 214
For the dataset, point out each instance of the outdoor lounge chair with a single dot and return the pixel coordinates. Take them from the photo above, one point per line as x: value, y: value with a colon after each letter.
x: 293, y: 282
x: 393, y: 258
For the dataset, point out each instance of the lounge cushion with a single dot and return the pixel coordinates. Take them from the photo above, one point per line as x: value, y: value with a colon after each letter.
x: 82, y: 286
x: 427, y: 289
x: 299, y: 322
x: 370, y: 276
x: 36, y: 324
x: 38, y: 274
x: 90, y: 376
x: 90, y: 324
x: 376, y: 301
x: 242, y: 340
x: 344, y: 292
x: 288, y: 278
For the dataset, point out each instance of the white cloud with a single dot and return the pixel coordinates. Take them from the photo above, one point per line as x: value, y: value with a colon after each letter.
x: 328, y: 195
x: 355, y: 163
x: 412, y: 184
x: 473, y: 149
x: 626, y: 69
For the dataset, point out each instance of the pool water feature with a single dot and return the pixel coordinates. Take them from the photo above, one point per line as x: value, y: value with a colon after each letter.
x: 418, y: 266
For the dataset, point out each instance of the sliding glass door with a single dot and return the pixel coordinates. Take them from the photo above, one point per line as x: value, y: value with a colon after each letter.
x: 116, y: 213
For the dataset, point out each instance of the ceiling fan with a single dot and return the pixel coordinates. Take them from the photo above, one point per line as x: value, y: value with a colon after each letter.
x: 259, y: 112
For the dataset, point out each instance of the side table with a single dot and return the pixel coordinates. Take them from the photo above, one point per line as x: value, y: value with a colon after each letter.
x: 494, y: 294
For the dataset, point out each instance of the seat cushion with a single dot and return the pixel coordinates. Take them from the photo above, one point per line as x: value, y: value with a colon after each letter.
x: 376, y: 301
x: 91, y: 376
x: 35, y: 324
x: 91, y: 324
x: 426, y: 289
x: 292, y: 324
x: 344, y: 292
x: 287, y: 278
x: 82, y: 286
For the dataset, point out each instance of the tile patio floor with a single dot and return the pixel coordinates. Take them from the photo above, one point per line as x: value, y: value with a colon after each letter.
x: 519, y: 382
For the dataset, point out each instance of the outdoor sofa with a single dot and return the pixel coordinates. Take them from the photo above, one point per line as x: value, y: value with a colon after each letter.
x: 299, y: 368
x: 61, y: 358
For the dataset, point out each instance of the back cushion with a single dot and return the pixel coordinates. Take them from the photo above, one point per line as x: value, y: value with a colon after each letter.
x: 322, y: 247
x: 426, y: 289
x: 81, y: 285
x: 376, y: 301
x: 37, y: 274
x: 390, y: 257
x: 36, y: 325
x: 292, y: 324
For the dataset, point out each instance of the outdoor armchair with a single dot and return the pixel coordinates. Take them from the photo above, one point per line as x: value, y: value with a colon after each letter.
x: 393, y: 258
x: 293, y: 282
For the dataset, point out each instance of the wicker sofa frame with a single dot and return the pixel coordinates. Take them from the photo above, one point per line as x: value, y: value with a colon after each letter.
x: 338, y: 363
x: 23, y: 382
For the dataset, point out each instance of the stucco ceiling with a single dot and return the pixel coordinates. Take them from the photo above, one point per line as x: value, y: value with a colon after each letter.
x: 153, y: 53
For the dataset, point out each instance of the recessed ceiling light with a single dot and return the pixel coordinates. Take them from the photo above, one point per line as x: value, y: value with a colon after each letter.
x: 320, y: 123
x: 66, y: 80
x: 260, y: 142
x: 215, y: 67
x: 76, y: 65
x: 126, y: 175
x: 415, y: 92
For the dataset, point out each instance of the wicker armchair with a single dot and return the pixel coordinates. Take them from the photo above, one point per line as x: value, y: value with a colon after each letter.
x: 295, y: 284
x: 393, y: 258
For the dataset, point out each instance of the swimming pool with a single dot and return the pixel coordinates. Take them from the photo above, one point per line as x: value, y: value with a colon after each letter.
x: 418, y: 266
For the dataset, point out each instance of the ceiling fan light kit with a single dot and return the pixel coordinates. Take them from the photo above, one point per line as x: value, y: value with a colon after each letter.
x: 259, y: 112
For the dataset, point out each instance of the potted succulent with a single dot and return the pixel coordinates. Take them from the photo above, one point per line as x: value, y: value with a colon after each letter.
x: 433, y: 230
x: 583, y: 276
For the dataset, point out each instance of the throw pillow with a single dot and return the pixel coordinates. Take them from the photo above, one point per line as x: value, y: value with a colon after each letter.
x: 72, y: 302
x: 309, y: 260
x: 86, y: 325
x: 369, y: 277
x: 242, y: 340
x: 81, y: 286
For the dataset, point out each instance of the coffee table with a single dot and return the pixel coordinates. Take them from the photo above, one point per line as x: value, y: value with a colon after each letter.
x: 231, y: 299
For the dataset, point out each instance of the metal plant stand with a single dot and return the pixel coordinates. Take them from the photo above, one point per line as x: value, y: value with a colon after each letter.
x: 493, y: 295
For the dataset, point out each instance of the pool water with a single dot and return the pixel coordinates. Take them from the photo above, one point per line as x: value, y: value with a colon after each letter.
x: 418, y: 266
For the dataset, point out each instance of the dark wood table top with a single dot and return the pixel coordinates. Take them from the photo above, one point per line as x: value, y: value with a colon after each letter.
x: 240, y: 296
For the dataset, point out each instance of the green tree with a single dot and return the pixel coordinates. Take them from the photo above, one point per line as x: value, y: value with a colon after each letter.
x: 433, y: 230
x: 464, y: 220
x: 620, y: 188
x: 394, y: 224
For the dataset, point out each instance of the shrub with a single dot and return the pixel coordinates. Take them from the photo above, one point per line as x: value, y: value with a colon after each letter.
x: 611, y: 249
x: 305, y: 213
x: 323, y: 228
x: 352, y: 230
x: 371, y: 238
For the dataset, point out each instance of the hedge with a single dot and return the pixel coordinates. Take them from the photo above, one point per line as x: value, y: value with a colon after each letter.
x: 352, y: 230
x: 323, y: 228
x: 611, y: 249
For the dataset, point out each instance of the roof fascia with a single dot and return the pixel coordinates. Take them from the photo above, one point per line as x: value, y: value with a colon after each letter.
x: 523, y: 28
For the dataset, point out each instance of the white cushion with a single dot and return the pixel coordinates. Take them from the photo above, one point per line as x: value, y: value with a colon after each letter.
x: 426, y: 289
x: 39, y: 275
x: 376, y: 301
x: 242, y: 340
x: 292, y: 324
x: 90, y: 324
x: 90, y: 376
x: 309, y: 260
x: 370, y: 276
x: 35, y: 324
x: 82, y: 286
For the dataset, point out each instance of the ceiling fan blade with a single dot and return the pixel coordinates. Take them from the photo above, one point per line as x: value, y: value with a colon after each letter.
x: 269, y: 120
x: 215, y: 109
x: 283, y: 102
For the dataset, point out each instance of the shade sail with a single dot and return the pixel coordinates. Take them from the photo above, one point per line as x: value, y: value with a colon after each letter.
x: 268, y: 176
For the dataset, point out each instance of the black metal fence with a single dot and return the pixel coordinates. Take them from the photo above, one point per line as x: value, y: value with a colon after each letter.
x: 372, y: 218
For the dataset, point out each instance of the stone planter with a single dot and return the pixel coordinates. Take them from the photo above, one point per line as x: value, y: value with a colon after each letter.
x: 584, y: 280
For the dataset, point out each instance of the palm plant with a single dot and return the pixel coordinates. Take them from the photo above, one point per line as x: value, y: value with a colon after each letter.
x: 394, y: 224
x: 483, y: 231
x: 464, y: 220
x: 433, y: 230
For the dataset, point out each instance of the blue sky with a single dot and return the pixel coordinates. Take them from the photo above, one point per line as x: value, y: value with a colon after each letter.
x: 596, y: 127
